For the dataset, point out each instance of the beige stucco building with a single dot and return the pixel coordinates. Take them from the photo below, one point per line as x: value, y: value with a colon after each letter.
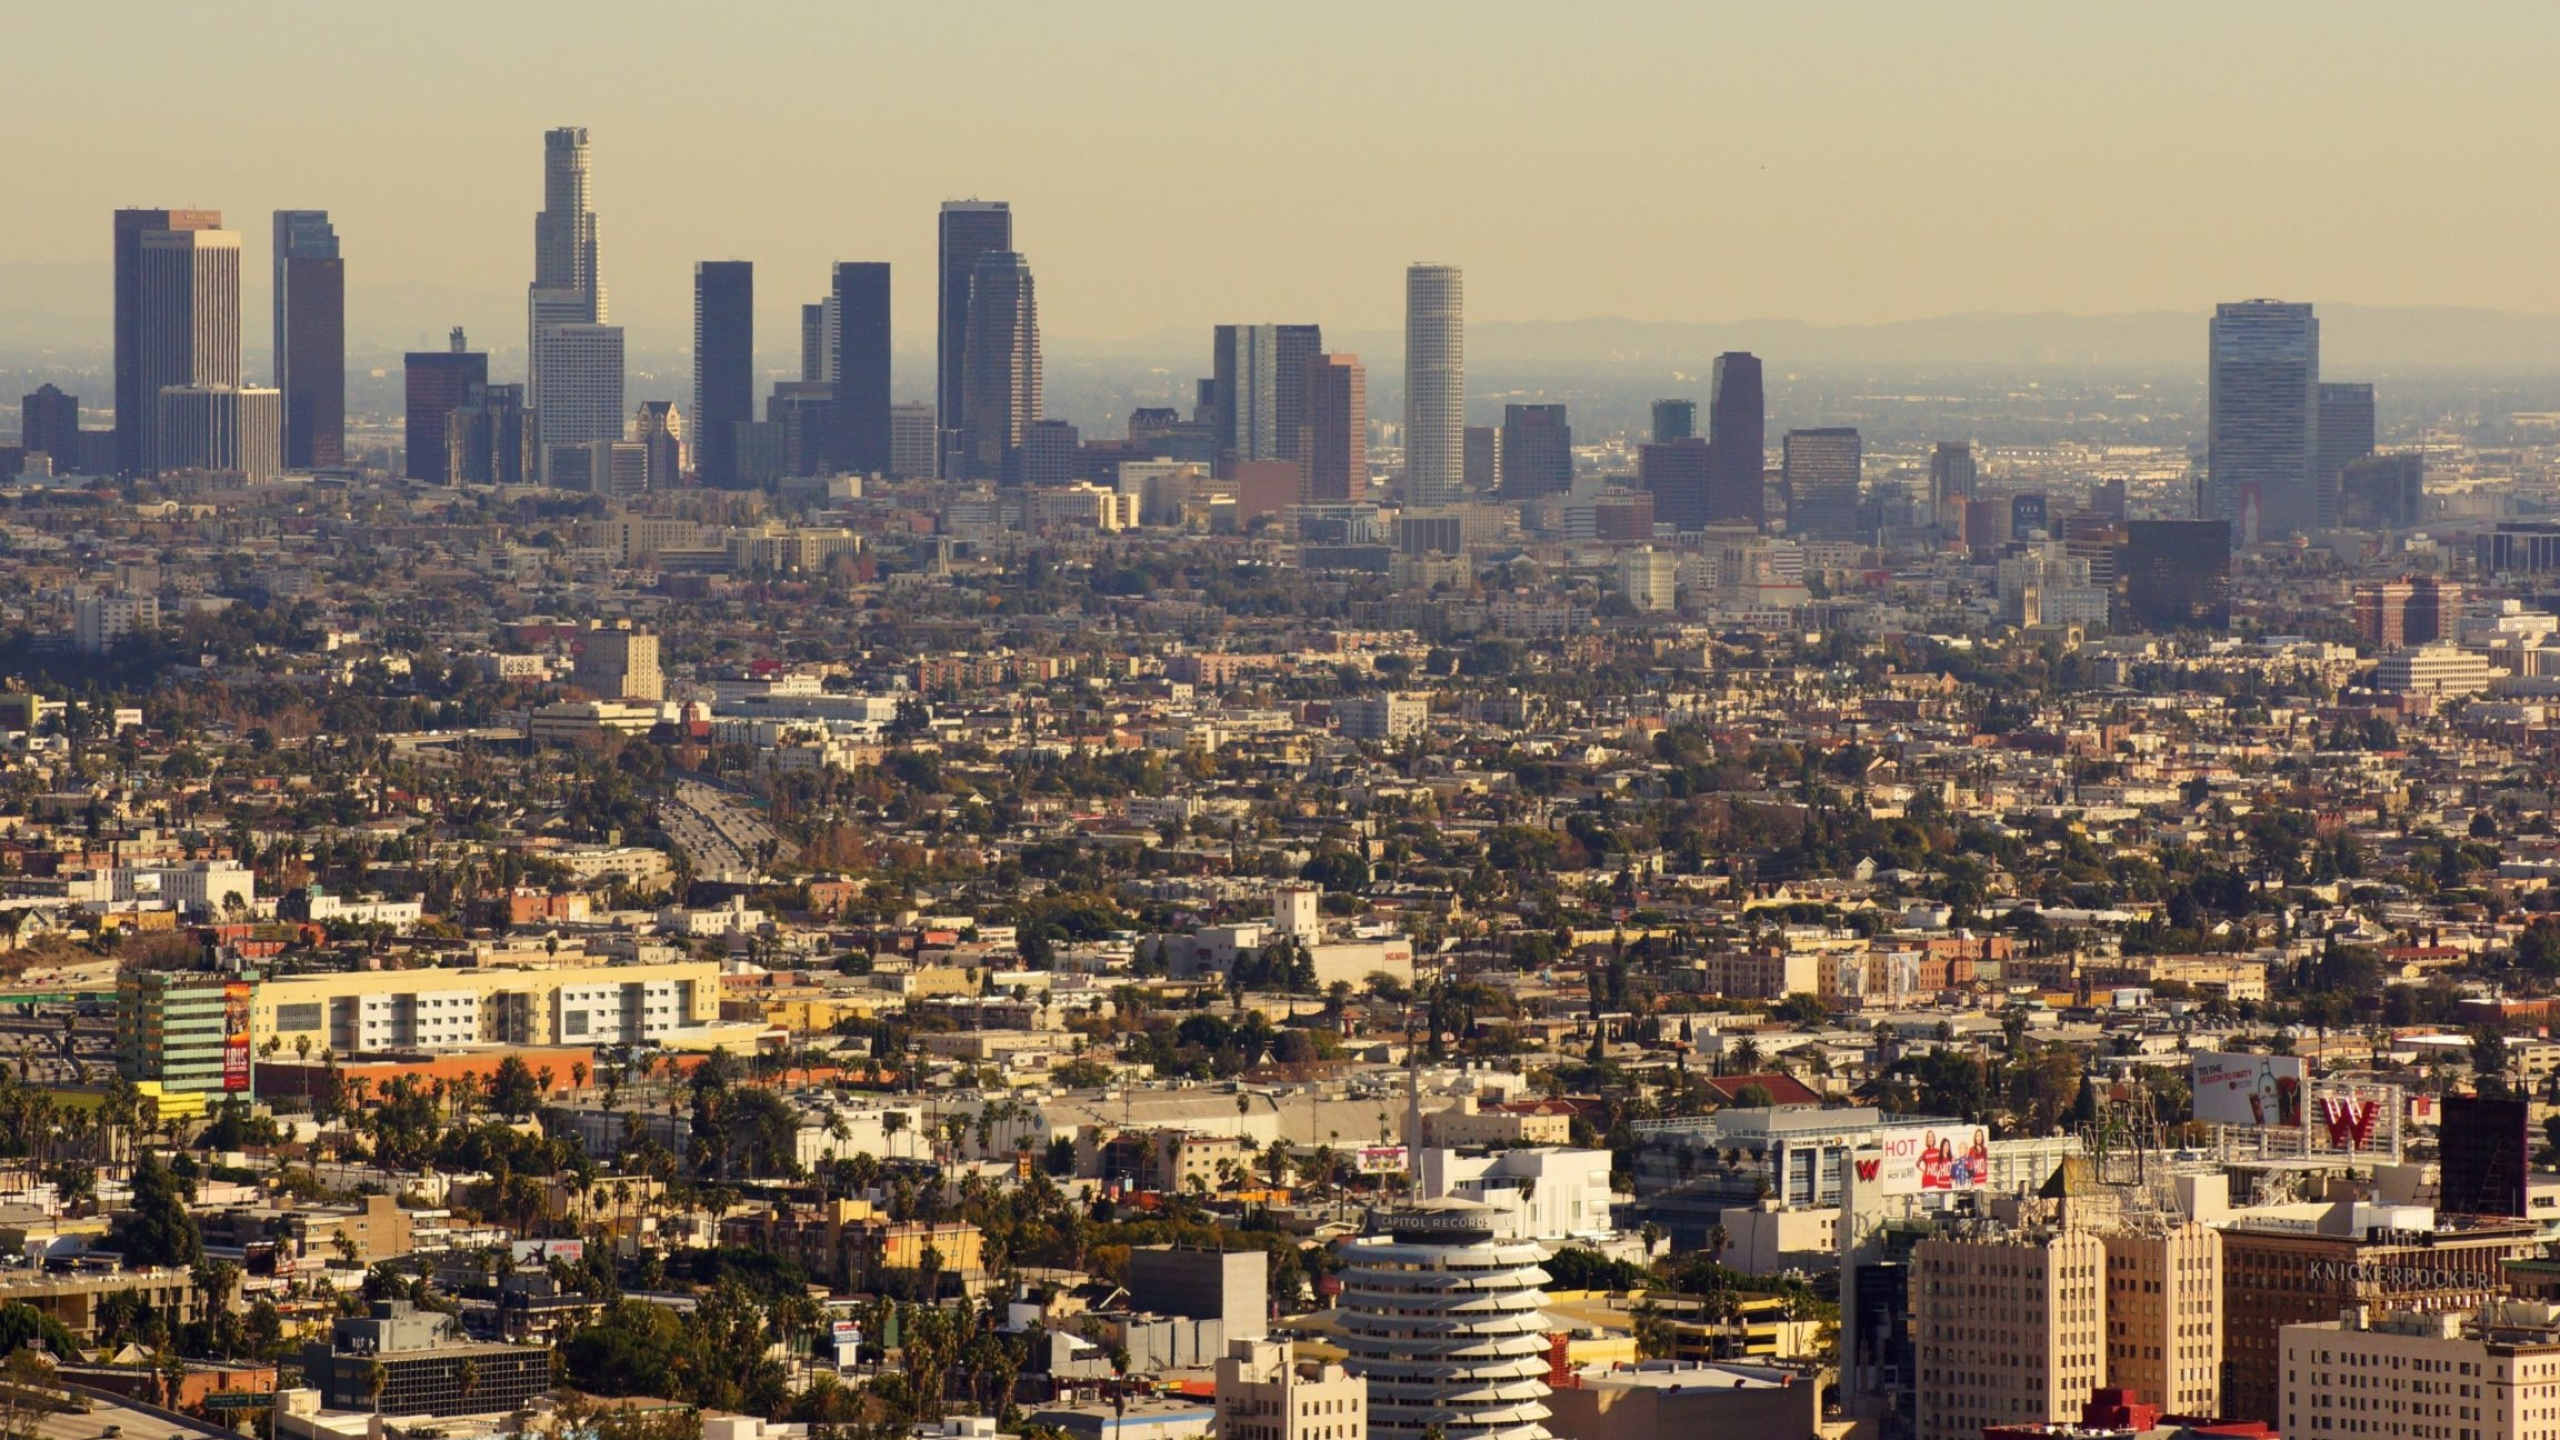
x: 2164, y: 1316
x: 2009, y: 1328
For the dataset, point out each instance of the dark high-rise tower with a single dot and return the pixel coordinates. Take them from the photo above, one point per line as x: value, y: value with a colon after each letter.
x: 1822, y: 483
x: 311, y: 339
x: 1295, y: 347
x: 1335, y: 461
x: 1677, y: 474
x: 1000, y: 396
x: 2263, y: 438
x: 2346, y: 436
x: 1258, y: 378
x: 138, y: 411
x: 438, y: 383
x: 1537, y: 451
x: 862, y: 429
x: 49, y: 423
x: 1674, y: 420
x: 724, y: 383
x: 1951, y: 478
x: 2177, y: 575
x: 970, y: 229
x: 1737, y: 426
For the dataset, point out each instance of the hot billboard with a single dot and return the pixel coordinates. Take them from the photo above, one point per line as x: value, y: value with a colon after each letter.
x: 1920, y: 1159
x: 2248, y: 1089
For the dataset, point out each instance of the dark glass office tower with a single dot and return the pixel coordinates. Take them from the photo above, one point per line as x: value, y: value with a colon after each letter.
x: 1951, y: 478
x: 1674, y: 420
x: 1737, y: 426
x: 862, y: 443
x: 2346, y: 436
x: 1822, y: 472
x: 1001, y: 394
x: 311, y: 339
x: 438, y: 383
x: 1537, y: 451
x: 49, y: 423
x: 970, y: 229
x: 138, y: 411
x: 2177, y: 574
x: 724, y: 351
x: 1678, y: 475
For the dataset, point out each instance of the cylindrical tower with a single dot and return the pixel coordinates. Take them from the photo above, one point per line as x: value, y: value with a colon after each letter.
x: 1443, y: 1321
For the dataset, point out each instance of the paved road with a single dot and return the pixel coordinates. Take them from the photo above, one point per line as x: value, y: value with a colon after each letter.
x: 723, y: 834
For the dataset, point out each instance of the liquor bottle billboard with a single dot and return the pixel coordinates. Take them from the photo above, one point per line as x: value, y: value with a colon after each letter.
x: 2248, y: 1089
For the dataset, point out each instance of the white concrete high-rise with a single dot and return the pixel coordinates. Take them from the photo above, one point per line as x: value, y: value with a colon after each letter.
x: 189, y: 330
x: 220, y: 428
x: 579, y: 375
x: 1443, y: 1321
x: 1435, y: 385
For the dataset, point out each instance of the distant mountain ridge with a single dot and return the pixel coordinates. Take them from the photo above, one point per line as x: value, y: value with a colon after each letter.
x: 61, y: 305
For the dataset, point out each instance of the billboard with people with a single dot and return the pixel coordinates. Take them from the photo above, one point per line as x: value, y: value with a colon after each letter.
x: 1919, y: 1159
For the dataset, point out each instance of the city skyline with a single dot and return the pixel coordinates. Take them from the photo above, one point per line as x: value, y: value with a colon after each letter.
x: 2076, y: 252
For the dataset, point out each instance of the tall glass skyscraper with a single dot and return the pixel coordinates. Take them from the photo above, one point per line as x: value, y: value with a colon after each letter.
x: 2263, y: 437
x: 189, y: 330
x: 1000, y: 390
x: 1737, y: 429
x: 1674, y: 420
x: 970, y: 229
x: 1822, y: 483
x: 138, y: 409
x: 311, y: 338
x: 1435, y: 385
x: 864, y: 440
x: 724, y: 344
x: 567, y: 289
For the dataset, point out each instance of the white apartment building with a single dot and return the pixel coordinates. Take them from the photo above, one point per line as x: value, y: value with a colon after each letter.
x: 1263, y: 1394
x: 2490, y: 1374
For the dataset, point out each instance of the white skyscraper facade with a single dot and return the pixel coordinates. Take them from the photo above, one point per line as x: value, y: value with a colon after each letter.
x: 1435, y: 385
x: 190, y: 320
x: 580, y: 379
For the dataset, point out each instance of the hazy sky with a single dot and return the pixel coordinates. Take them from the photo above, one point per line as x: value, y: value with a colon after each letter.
x: 1182, y: 164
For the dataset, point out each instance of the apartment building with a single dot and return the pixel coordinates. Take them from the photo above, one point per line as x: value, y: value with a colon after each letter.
x: 356, y: 1012
x: 2487, y: 1374
x: 2009, y: 1328
x: 2164, y: 1316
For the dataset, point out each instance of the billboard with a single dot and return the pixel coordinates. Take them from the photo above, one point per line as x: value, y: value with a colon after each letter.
x: 543, y: 1252
x: 235, y: 1035
x: 2486, y: 1146
x: 1379, y: 1160
x: 2248, y: 1089
x: 1921, y: 1159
